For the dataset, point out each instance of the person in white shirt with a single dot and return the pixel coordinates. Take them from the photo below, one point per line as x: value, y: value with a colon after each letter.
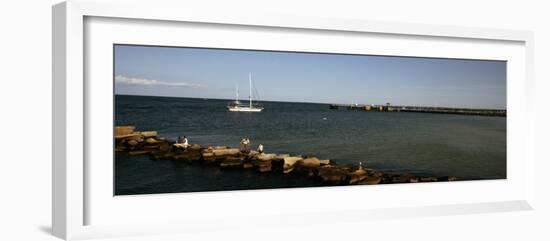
x: 260, y: 148
x: 185, y: 142
x: 242, y: 144
x: 247, y: 144
x: 182, y: 143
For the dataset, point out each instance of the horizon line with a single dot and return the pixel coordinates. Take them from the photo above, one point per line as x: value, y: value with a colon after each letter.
x: 306, y: 102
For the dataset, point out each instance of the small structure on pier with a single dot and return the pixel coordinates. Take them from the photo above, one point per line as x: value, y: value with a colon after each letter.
x: 422, y: 109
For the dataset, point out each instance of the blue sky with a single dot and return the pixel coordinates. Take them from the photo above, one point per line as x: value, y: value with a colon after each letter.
x: 309, y: 77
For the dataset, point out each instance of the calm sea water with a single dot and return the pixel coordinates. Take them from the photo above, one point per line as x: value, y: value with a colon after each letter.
x: 469, y: 147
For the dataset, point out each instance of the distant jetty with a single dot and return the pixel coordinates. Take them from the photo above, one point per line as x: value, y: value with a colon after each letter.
x: 327, y: 172
x: 422, y: 109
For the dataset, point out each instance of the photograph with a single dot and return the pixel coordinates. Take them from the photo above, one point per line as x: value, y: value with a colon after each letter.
x: 190, y: 119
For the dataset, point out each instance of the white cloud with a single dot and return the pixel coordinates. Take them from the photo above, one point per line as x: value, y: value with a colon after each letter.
x: 121, y: 79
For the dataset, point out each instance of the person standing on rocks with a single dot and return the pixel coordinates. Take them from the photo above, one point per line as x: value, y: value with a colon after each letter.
x: 246, y: 145
x: 242, y: 144
x: 260, y: 148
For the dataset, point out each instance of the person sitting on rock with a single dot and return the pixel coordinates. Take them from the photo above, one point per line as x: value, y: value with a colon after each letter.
x: 260, y: 148
x: 182, y: 143
x: 185, y: 143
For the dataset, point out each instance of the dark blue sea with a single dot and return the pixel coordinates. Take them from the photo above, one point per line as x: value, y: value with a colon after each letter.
x: 468, y: 147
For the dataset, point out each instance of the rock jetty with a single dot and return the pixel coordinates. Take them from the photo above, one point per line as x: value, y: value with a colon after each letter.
x: 134, y: 143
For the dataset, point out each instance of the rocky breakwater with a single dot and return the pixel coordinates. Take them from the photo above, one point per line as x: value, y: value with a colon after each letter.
x: 132, y: 142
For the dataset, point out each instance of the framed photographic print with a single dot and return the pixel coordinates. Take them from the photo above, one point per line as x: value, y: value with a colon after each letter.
x: 202, y: 122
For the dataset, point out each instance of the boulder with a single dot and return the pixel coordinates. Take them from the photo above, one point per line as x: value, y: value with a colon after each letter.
x: 370, y: 180
x: 151, y: 141
x: 194, y: 147
x: 132, y: 143
x: 310, y: 162
x: 289, y: 163
x: 151, y: 146
x: 124, y: 130
x: 266, y: 157
x: 163, y: 155
x: 324, y: 162
x: 265, y: 167
x: 252, y: 155
x: 248, y: 165
x: 139, y: 153
x: 208, y: 156
x: 212, y: 155
x: 281, y: 156
x: 231, y: 162
x: 226, y: 152
x: 188, y: 156
x: 133, y: 136
x: 148, y: 134
x: 165, y: 146
x: 358, y: 176
x: 428, y: 179
x: 446, y: 179
x: 399, y: 179
x: 405, y: 178
x: 333, y: 175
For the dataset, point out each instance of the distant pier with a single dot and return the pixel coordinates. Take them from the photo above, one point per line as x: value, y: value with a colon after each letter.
x: 422, y: 109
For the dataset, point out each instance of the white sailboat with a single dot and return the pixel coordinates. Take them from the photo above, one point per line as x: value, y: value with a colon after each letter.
x: 238, y: 107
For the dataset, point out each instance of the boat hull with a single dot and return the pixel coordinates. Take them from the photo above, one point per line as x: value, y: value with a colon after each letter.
x: 245, y: 109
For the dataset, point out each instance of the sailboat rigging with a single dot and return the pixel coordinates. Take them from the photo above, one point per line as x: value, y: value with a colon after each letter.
x: 251, y: 107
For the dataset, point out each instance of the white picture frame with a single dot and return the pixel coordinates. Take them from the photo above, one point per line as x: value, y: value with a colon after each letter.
x: 75, y: 190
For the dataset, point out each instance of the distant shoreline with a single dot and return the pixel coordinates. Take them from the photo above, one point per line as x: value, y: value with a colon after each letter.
x: 304, y: 102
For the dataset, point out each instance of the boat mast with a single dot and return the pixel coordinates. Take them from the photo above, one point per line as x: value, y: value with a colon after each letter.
x: 237, y: 96
x: 250, y: 89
